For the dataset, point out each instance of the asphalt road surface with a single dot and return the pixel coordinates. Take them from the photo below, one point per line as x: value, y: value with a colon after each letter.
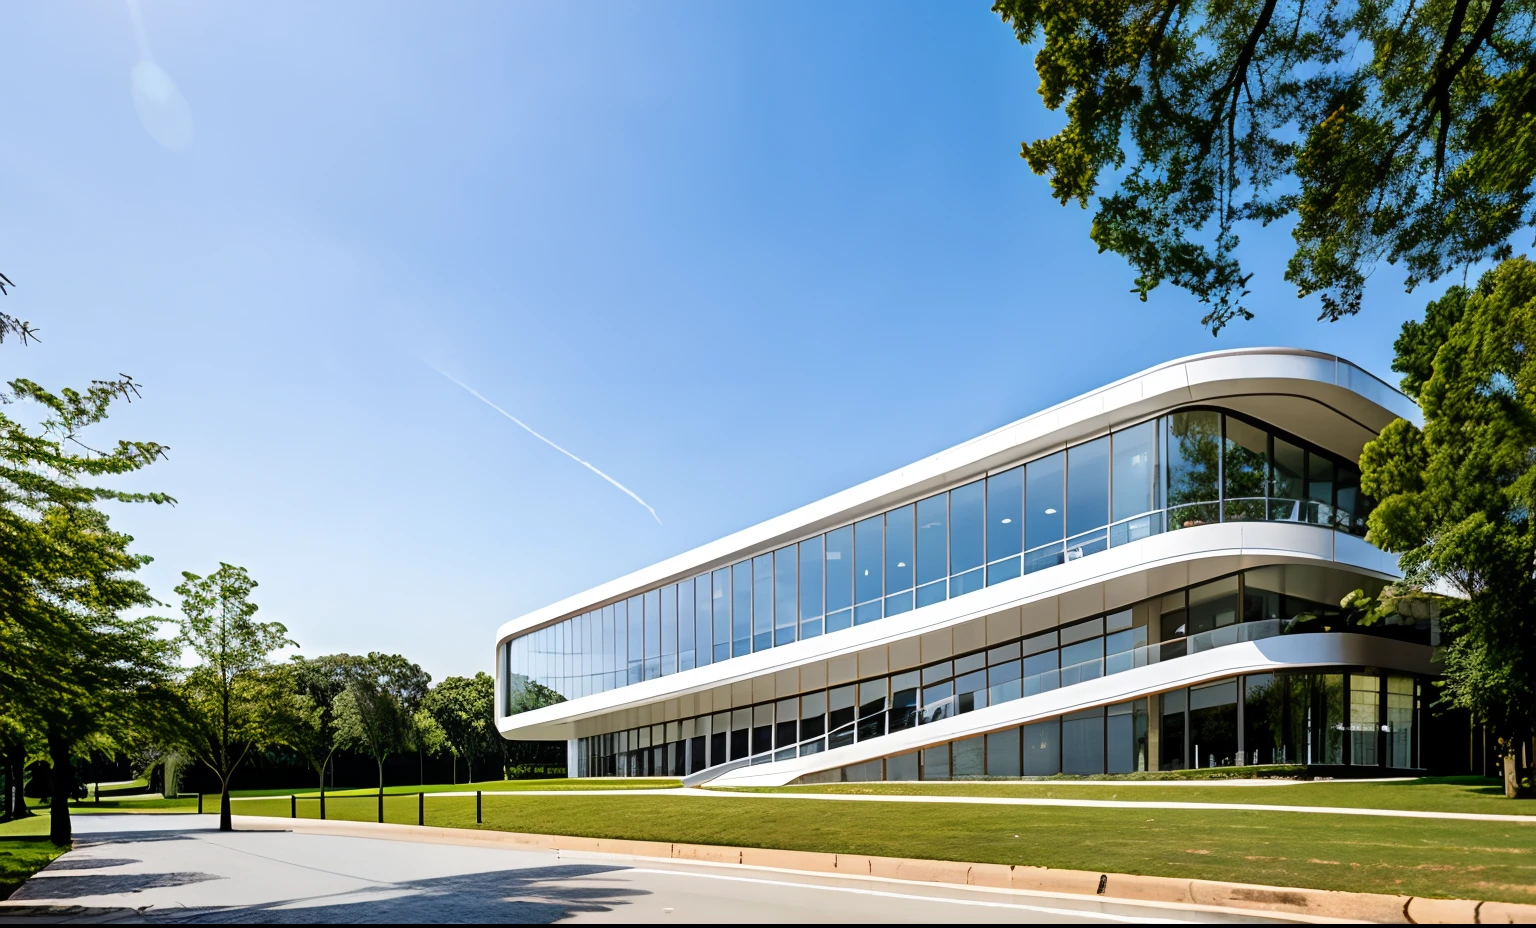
x: 151, y: 868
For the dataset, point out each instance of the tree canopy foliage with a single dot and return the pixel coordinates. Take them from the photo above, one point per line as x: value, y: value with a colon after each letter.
x: 75, y: 673
x: 1388, y: 130
x: 1456, y: 497
x: 235, y: 705
x: 464, y: 708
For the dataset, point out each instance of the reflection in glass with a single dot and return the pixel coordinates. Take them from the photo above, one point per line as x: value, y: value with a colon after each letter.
x: 686, y: 628
x: 810, y: 587
x: 1194, y: 465
x: 899, y: 549
x: 741, y: 609
x: 703, y: 645
x: 1135, y: 471
x: 1082, y: 742
x: 1364, y: 718
x: 1213, y: 724
x: 762, y: 602
x: 1042, y: 748
x: 967, y: 527
x: 668, y: 629
x: 1005, y: 514
x: 1003, y: 753
x: 840, y: 716
x: 933, y: 539
x: 1244, y: 469
x: 1171, y: 736
x: 936, y: 762
x: 722, y: 612
x: 785, y: 606
x: 652, y: 634
x: 839, y: 578
x: 966, y: 759
x: 867, y: 566
x: 1088, y: 486
x: 1045, y: 520
x: 1401, y: 702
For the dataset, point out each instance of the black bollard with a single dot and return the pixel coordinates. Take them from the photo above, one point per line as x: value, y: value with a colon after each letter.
x: 421, y: 808
x: 381, y: 808
x: 322, y: 807
x: 293, y: 806
x: 479, y: 818
x: 199, y: 802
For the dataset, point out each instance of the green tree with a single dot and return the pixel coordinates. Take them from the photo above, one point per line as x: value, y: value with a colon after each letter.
x: 376, y: 712
x: 430, y: 742
x: 465, y: 710
x: 308, y: 721
x: 1399, y: 131
x: 72, y: 670
x: 234, y: 702
x: 1456, y: 497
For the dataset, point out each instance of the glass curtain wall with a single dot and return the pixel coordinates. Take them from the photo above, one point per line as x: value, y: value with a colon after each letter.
x: 1287, y: 718
x: 1188, y: 468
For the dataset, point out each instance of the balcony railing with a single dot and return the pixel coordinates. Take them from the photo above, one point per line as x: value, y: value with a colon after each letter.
x: 961, y: 703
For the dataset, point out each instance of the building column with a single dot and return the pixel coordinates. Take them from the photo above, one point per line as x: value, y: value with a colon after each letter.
x: 570, y: 758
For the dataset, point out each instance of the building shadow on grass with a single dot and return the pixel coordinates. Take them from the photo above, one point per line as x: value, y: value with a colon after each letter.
x: 535, y: 895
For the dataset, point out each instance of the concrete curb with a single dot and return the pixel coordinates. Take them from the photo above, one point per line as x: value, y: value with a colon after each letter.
x: 1322, y: 904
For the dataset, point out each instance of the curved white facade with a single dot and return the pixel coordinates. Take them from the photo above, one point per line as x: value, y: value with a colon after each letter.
x: 1287, y: 422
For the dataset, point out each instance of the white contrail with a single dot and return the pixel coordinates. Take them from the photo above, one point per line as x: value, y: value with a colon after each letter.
x: 477, y: 395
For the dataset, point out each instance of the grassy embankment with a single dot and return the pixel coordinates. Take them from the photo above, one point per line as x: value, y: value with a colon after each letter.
x: 1428, y: 794
x: 1365, y: 854
x: 24, y: 850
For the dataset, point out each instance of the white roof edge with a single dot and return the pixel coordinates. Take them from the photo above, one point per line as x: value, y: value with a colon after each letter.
x: 1345, y: 375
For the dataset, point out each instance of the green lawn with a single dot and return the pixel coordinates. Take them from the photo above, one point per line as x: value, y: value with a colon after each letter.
x: 1429, y: 794
x: 24, y: 850
x: 1384, y: 855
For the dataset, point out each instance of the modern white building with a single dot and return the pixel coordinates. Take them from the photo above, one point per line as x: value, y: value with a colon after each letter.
x: 1146, y: 577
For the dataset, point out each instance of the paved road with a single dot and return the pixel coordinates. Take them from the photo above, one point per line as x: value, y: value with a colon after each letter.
x: 142, y: 868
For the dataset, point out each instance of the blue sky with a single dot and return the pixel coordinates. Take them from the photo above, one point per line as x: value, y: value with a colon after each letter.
x: 738, y: 256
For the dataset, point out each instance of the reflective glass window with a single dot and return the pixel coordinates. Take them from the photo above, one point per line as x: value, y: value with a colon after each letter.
x: 1194, y: 467
x: 1042, y: 748
x: 686, y: 627
x: 721, y: 600
x: 762, y: 602
x: 867, y: 555
x: 1125, y: 737
x: 872, y: 708
x: 967, y: 758
x: 1213, y: 724
x: 1244, y: 468
x: 1287, y: 470
x: 1364, y: 718
x: 741, y: 608
x: 1005, y: 513
x: 1003, y: 753
x: 1082, y: 742
x: 1135, y: 471
x: 967, y: 529
x: 668, y: 629
x: 840, y: 578
x: 703, y: 620
x: 936, y: 762
x: 1046, y: 520
x: 811, y: 568
x: 785, y: 606
x: 904, y: 691
x: 634, y: 610
x: 786, y: 731
x: 841, y: 706
x: 933, y: 539
x: 652, y: 634
x: 1088, y: 486
x: 1402, y: 702
x: 1171, y: 738
x: 1320, y: 489
x: 813, y: 715
x: 899, y: 549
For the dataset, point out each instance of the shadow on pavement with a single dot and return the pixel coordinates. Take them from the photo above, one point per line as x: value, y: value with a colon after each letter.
x: 522, y: 896
x: 89, y: 863
x: 43, y: 886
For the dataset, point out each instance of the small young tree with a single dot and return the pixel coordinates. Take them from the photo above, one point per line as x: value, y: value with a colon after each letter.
x: 464, y: 708
x: 376, y: 712
x: 231, y: 699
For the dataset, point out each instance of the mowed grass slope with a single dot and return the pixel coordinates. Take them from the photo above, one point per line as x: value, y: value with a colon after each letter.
x: 24, y: 850
x: 1363, y: 854
x: 1427, y: 794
